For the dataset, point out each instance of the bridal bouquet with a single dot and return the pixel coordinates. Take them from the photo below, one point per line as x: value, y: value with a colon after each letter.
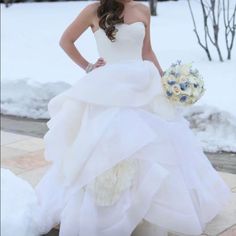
x: 182, y: 84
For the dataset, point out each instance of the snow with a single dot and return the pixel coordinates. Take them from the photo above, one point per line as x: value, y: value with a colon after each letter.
x: 214, y: 128
x: 35, y: 68
x: 33, y: 101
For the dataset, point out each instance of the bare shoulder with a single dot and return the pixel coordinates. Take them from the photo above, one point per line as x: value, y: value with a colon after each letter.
x: 144, y: 12
x: 89, y: 13
x: 91, y: 8
x: 143, y: 8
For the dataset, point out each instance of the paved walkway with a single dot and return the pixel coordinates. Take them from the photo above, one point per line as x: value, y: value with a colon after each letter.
x: 23, y: 155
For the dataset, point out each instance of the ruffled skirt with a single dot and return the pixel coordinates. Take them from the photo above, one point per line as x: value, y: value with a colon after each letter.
x: 121, y: 153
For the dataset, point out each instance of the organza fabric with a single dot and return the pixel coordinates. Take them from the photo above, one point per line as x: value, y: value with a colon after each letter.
x: 121, y: 153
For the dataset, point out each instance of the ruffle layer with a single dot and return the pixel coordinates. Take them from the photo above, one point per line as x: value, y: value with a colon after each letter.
x: 113, y: 117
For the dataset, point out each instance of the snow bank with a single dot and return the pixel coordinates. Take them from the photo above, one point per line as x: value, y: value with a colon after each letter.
x: 27, y: 98
x: 215, y: 129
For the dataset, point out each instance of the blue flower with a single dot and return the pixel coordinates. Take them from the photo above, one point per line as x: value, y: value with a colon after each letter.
x: 173, y: 73
x: 171, y: 82
x: 183, y: 98
x: 183, y: 86
x: 168, y: 93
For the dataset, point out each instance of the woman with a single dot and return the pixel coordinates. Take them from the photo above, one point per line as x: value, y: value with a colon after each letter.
x: 121, y: 153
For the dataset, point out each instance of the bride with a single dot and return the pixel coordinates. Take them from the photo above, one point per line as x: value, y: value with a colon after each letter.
x: 124, y: 160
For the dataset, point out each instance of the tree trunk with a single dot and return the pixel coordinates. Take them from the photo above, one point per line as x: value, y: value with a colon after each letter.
x: 153, y: 7
x: 6, y: 3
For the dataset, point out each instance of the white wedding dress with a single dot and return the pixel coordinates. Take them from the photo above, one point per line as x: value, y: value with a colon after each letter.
x: 122, y: 154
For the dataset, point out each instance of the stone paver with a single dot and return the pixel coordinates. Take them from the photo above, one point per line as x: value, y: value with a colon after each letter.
x: 30, y: 145
x: 7, y: 138
x: 230, y: 179
x: 229, y: 232
x: 24, y: 155
x: 21, y: 153
x: 33, y: 176
x: 225, y: 220
x: 24, y: 162
x: 8, y: 152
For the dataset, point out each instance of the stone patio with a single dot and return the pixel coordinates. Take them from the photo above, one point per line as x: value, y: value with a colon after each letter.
x: 24, y: 155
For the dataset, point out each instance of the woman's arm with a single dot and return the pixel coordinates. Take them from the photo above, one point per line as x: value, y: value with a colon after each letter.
x: 73, y: 32
x: 147, y: 51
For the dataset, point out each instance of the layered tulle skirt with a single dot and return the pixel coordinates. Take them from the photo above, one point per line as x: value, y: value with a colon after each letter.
x: 121, y: 153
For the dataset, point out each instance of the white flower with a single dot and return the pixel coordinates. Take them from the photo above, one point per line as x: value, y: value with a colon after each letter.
x: 182, y: 79
x: 108, y: 187
x: 176, y: 89
x: 184, y: 70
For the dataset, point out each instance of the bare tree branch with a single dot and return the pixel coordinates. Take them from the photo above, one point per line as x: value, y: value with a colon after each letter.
x: 211, y: 13
x: 204, y: 46
x: 230, y: 27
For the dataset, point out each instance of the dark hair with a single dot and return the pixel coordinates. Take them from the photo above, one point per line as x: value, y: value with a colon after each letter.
x: 109, y: 13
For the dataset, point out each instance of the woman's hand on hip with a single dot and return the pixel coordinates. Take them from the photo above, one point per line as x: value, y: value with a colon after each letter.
x: 100, y: 62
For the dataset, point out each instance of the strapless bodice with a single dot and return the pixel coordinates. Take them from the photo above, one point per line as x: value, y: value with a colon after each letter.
x: 127, y: 46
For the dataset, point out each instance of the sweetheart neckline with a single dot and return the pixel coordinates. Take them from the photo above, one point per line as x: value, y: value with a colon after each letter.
x: 120, y: 24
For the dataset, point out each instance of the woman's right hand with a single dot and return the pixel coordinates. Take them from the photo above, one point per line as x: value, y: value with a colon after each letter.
x: 100, y: 62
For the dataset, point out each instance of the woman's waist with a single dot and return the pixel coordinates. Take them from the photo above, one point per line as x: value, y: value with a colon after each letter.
x: 121, y: 59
